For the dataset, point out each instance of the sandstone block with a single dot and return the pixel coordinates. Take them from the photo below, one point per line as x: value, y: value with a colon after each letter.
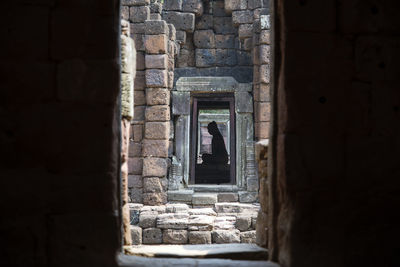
x: 156, y: 78
x: 140, y: 80
x: 204, y: 39
x: 156, y: 7
x: 265, y: 22
x: 152, y: 236
x: 154, y: 198
x: 204, y: 199
x: 156, y: 167
x: 135, y: 2
x: 247, y: 44
x: 173, y: 221
x: 205, y: 57
x: 156, y: 44
x: 265, y: 73
x: 136, y: 235
x: 135, y: 149
x: 154, y: 27
x: 262, y: 111
x: 137, y: 132
x: 218, y: 9
x: 158, y: 113
x: 252, y: 185
x: 261, y: 92
x: 224, y: 222
x: 261, y: 129
x: 135, y: 195
x: 138, y: 113
x: 139, y: 98
x: 224, y: 41
x: 135, y: 181
x: 155, y: 16
x: 170, y: 79
x: 181, y: 37
x: 181, y: 21
x: 226, y: 57
x: 152, y: 210
x: 248, y: 197
x: 264, y: 54
x: 125, y: 12
x: 156, y: 61
x: 175, y: 236
x: 139, y: 13
x: 245, y: 31
x: 203, y: 211
x: 155, y: 148
x: 236, y: 207
x: 157, y: 130
x: 138, y: 39
x: 134, y: 211
x: 228, y: 197
x: 147, y: 220
x: 173, y: 5
x: 231, y: 5
x: 201, y: 223
x: 193, y: 6
x: 226, y: 236
x: 154, y: 184
x: 172, y: 32
x: 157, y: 96
x: 205, y: 22
x: 186, y: 58
x: 176, y: 208
x: 243, y: 222
x: 244, y: 58
x: 248, y: 237
x: 200, y: 237
x: 223, y: 25
x: 135, y: 166
x: 242, y: 17
x: 265, y: 37
x: 137, y: 28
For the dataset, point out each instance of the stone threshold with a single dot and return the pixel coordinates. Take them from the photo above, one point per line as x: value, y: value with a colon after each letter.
x: 221, y: 251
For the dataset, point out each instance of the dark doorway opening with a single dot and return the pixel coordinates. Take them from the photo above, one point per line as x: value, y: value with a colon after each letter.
x: 213, y: 139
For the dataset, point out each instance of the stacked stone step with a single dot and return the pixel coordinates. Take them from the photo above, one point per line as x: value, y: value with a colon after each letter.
x: 179, y: 224
x: 261, y: 78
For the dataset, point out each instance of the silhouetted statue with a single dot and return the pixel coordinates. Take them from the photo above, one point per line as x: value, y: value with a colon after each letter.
x: 219, y: 154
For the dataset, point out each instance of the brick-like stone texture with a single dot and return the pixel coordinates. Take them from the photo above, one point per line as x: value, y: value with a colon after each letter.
x: 181, y: 21
x: 156, y: 61
x: 139, y: 13
x: 154, y: 167
x: 152, y: 236
x: 156, y: 78
x: 171, y: 236
x: 157, y: 130
x: 157, y: 96
x: 200, y: 237
x: 158, y: 113
x: 155, y: 27
x: 136, y: 235
x: 155, y: 148
x: 156, y: 44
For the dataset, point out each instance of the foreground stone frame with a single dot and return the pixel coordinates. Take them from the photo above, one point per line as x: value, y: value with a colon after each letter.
x: 181, y: 109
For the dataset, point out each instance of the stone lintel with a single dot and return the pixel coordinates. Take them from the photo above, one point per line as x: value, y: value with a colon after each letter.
x: 210, y: 84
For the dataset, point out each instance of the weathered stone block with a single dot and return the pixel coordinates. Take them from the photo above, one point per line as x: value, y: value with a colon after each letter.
x: 154, y: 27
x: 158, y: 113
x: 156, y: 78
x: 155, y: 16
x: 242, y: 17
x: 200, y: 237
x: 265, y: 73
x: 264, y: 54
x: 225, y: 222
x: 226, y: 236
x: 252, y: 185
x: 244, y: 58
x: 203, y: 211
x: 231, y: 5
x: 152, y: 236
x: 244, y: 102
x: 204, y: 199
x: 135, y: 181
x: 156, y: 44
x: 180, y: 195
x: 245, y: 31
x: 176, y: 208
x: 262, y: 111
x: 157, y: 96
x: 135, y: 165
x: 139, y: 98
x: 154, y: 185
x: 248, y: 197
x: 175, y: 236
x: 155, y: 148
x: 201, y: 222
x: 205, y: 22
x: 157, y: 130
x: 226, y: 57
x: 137, y: 132
x: 135, y: 2
x: 135, y: 149
x: 172, y: 32
x: 236, y: 208
x: 140, y: 80
x: 243, y: 222
x: 154, y: 167
x: 170, y: 79
x: 248, y: 237
x: 265, y: 37
x: 181, y: 37
x: 224, y: 41
x: 253, y: 4
x: 261, y: 11
x: 134, y: 211
x: 247, y: 44
x: 173, y: 5
x: 205, y: 57
x: 147, y: 220
x: 156, y: 8
x: 156, y: 61
x: 139, y: 13
x: 261, y: 130
x: 228, y: 197
x: 137, y: 28
x: 265, y: 22
x: 204, y: 39
x: 193, y: 6
x: 181, y: 21
x: 154, y: 198
x: 173, y: 221
x: 136, y: 195
x: 152, y: 210
x: 223, y: 25
x: 136, y: 235
x: 125, y: 12
x: 218, y: 9
x: 186, y: 59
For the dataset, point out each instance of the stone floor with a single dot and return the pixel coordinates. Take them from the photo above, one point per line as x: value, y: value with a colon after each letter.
x: 227, y: 222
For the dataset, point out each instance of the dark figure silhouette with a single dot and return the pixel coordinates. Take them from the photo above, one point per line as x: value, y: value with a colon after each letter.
x: 219, y: 154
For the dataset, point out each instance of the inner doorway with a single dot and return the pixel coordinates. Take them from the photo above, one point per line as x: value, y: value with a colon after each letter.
x: 213, y: 139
